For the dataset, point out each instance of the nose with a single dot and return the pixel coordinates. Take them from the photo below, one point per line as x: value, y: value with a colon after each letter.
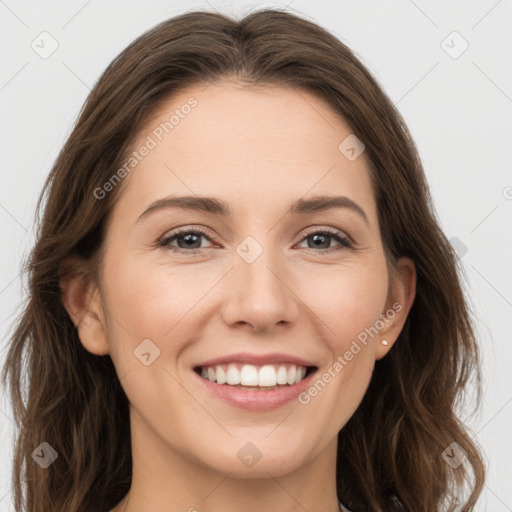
x: 260, y: 294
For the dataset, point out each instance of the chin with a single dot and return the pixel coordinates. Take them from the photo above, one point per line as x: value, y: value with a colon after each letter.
x: 248, y: 461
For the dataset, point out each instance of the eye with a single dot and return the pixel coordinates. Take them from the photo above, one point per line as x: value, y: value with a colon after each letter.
x: 322, y: 238
x: 189, y: 240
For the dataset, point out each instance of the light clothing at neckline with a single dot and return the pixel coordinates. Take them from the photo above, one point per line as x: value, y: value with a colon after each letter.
x: 342, y: 507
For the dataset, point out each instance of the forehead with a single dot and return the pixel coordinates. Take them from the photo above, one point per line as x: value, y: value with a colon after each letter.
x: 259, y: 117
x: 269, y: 142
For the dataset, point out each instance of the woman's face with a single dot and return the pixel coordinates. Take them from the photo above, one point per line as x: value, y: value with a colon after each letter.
x: 263, y: 281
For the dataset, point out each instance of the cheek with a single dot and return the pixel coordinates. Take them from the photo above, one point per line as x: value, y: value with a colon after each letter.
x: 148, y: 299
x: 348, y: 299
x: 337, y: 391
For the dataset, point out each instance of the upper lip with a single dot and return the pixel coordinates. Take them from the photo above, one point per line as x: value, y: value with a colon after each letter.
x: 256, y: 359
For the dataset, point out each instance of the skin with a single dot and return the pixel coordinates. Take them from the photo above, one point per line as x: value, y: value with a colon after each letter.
x: 257, y: 149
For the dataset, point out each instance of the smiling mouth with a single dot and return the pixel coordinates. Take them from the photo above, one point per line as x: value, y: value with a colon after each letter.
x: 255, y: 377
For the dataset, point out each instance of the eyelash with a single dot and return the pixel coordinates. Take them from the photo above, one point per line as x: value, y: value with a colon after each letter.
x: 345, y: 243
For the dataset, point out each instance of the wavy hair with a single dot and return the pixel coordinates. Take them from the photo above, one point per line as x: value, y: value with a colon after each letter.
x: 390, y: 453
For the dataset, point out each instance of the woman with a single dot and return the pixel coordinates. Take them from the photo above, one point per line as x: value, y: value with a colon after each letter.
x: 240, y: 293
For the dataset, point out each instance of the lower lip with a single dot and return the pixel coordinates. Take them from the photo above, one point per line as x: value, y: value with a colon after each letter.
x: 254, y: 400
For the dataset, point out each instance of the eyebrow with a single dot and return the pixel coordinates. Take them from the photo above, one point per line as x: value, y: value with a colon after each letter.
x: 218, y: 207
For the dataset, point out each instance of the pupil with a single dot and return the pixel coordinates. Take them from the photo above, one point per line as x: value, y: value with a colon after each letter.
x: 189, y: 238
x: 317, y: 237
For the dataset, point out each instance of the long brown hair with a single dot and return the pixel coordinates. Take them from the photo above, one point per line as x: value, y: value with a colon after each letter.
x: 390, y: 453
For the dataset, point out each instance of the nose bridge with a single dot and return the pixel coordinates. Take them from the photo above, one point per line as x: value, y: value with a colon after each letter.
x: 259, y: 294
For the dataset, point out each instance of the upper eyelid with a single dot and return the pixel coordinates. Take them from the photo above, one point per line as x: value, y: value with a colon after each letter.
x: 184, y: 230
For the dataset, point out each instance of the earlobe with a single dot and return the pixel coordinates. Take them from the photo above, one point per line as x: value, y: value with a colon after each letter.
x: 83, y: 304
x: 399, y: 303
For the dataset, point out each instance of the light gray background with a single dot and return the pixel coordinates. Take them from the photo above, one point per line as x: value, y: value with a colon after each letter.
x: 459, y: 111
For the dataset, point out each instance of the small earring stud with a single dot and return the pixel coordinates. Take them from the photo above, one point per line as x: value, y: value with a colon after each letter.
x: 385, y: 342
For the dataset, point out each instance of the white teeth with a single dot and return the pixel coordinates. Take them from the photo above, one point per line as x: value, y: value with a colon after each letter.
x: 250, y: 375
x: 221, y: 375
x: 233, y: 375
x: 267, y: 376
x: 282, y: 375
x: 291, y: 375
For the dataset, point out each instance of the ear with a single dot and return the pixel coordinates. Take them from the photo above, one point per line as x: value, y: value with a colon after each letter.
x: 82, y: 301
x: 401, y: 294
